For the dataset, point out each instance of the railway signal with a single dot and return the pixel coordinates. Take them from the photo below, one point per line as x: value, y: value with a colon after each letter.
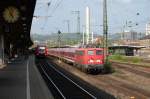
x: 59, y: 43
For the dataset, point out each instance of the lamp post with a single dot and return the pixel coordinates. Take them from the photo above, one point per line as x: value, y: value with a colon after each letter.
x: 78, y: 23
x: 105, y: 31
x: 68, y: 25
x: 78, y: 20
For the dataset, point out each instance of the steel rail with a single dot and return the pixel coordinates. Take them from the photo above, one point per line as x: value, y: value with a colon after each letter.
x: 93, y: 97
x: 52, y: 82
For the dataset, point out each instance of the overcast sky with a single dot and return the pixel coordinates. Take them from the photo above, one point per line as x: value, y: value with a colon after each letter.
x: 119, y: 11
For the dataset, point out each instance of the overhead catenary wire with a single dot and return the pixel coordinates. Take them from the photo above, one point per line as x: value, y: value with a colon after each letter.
x: 46, y: 18
x: 57, y: 4
x: 52, y: 6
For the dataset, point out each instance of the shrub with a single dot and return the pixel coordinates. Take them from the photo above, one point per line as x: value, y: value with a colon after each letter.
x: 108, y: 67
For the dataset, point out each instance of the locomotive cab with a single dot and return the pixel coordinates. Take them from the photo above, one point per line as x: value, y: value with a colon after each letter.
x: 41, y: 51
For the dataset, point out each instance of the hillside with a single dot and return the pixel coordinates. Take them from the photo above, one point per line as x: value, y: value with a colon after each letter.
x: 54, y: 36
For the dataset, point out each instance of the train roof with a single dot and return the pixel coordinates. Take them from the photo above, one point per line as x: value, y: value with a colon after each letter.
x: 90, y: 48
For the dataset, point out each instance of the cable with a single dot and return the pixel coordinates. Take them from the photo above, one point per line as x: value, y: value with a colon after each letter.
x: 46, y: 18
x: 56, y: 6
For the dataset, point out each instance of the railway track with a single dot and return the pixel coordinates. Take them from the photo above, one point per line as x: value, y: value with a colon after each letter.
x: 122, y: 87
x: 133, y: 69
x: 125, y: 89
x: 64, y: 87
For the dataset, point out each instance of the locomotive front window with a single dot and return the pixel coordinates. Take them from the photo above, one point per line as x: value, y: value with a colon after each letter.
x: 42, y: 48
x: 90, y: 52
x: 99, y: 52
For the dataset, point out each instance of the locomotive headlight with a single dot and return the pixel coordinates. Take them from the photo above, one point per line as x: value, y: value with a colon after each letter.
x: 98, y: 61
x: 91, y: 61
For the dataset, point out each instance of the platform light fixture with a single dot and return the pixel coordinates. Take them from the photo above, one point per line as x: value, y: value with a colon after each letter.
x: 25, y: 28
x: 25, y: 31
x: 23, y: 18
x: 24, y: 24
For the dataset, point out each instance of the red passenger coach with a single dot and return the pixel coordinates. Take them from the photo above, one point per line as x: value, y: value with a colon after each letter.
x: 87, y: 59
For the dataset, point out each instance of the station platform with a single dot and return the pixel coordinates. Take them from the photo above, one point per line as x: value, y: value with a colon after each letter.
x: 21, y: 79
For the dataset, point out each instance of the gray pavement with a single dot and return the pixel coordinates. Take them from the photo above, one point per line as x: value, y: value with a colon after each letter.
x: 22, y: 80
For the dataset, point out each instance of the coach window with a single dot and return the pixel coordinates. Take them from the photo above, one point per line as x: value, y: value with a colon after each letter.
x: 80, y: 52
x: 90, y: 52
x: 99, y: 52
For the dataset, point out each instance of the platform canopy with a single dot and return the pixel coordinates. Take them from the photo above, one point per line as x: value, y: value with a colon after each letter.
x: 127, y: 50
x: 126, y: 46
x: 15, y: 21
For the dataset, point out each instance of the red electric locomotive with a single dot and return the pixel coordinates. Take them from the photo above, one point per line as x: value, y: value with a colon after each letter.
x: 87, y: 59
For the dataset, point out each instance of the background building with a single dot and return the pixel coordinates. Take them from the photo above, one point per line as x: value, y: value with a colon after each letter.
x: 130, y: 35
x: 148, y: 29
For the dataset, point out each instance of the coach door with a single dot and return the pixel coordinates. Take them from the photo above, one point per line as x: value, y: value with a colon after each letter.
x: 79, y: 57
